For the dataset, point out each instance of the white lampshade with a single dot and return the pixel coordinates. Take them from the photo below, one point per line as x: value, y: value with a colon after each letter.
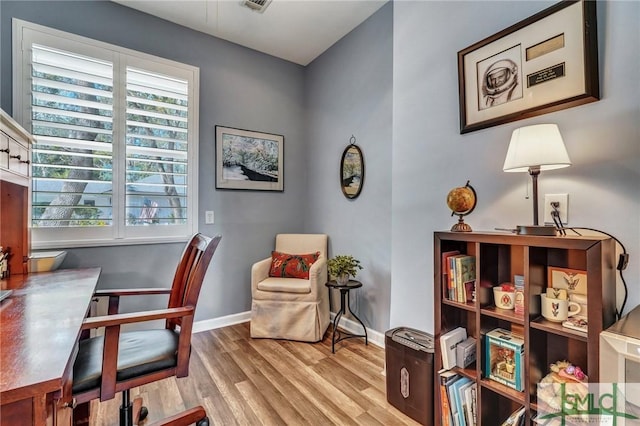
x: 540, y: 145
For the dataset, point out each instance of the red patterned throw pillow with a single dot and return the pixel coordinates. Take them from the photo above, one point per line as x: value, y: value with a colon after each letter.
x: 284, y: 265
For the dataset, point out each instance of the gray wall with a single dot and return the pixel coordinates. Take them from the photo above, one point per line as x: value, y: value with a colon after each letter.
x: 430, y: 156
x: 240, y: 88
x: 413, y: 158
x: 349, y: 92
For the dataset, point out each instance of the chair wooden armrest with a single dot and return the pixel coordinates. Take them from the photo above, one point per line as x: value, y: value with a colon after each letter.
x: 114, y: 295
x: 134, y: 317
x: 131, y: 292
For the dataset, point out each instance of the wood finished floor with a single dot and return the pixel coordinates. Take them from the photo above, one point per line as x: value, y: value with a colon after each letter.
x: 244, y: 381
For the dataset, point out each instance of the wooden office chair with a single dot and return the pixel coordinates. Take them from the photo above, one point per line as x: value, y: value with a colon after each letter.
x: 117, y: 362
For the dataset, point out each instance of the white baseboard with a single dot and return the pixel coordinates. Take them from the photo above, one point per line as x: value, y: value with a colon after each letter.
x: 219, y: 322
x: 375, y: 337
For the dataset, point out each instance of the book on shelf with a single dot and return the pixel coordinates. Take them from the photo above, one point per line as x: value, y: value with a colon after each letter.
x: 461, y: 276
x: 465, y: 273
x: 517, y: 418
x: 448, y: 343
x: 446, y: 283
x: 457, y: 409
x: 462, y: 392
x: 470, y: 403
x: 577, y: 323
x: 466, y: 352
x: 453, y: 291
x: 505, y: 358
x: 446, y: 377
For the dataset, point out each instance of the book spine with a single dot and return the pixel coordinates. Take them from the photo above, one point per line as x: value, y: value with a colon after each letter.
x: 452, y: 278
x: 460, y: 295
x: 444, y: 403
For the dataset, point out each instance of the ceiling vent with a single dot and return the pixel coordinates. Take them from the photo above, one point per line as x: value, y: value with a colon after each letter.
x: 257, y: 5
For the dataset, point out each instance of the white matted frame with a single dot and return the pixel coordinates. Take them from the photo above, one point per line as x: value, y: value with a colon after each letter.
x: 249, y: 160
x: 544, y: 63
x: 573, y: 280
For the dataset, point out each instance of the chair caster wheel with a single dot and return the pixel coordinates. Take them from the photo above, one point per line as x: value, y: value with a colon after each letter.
x: 203, y: 422
x: 144, y: 412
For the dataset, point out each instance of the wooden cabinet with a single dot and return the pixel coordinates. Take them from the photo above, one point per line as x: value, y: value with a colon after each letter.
x: 15, y: 181
x: 15, y: 151
x: 498, y: 258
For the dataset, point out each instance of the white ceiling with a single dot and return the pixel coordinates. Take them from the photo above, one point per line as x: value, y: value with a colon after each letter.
x: 295, y: 30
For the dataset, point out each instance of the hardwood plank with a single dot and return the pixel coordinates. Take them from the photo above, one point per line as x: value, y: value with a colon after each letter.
x: 256, y: 399
x: 366, y: 419
x: 280, y: 381
x: 244, y: 381
x: 242, y: 412
x: 380, y: 398
x: 309, y: 354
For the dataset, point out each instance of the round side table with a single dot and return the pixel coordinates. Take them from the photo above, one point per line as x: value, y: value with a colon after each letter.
x: 339, y: 335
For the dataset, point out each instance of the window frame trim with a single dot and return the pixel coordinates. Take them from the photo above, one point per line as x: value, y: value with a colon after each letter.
x: 119, y: 233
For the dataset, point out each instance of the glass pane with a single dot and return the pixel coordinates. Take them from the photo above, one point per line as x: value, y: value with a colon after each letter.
x: 156, y: 153
x: 72, y: 119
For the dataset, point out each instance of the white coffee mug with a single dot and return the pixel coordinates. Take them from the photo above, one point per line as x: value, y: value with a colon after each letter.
x: 558, y: 310
x: 580, y: 299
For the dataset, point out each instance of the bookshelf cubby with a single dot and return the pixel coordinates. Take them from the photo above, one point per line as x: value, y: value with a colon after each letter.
x: 499, y: 257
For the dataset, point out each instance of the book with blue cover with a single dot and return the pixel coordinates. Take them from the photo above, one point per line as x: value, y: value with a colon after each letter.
x: 457, y: 409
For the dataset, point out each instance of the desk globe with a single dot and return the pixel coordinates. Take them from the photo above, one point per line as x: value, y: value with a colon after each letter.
x: 461, y: 201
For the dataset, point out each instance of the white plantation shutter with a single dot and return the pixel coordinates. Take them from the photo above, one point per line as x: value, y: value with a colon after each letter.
x: 72, y: 119
x: 116, y: 155
x: 156, y: 152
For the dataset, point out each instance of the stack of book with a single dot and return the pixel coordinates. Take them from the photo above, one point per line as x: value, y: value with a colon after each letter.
x: 458, y: 276
x: 457, y: 399
x: 517, y: 418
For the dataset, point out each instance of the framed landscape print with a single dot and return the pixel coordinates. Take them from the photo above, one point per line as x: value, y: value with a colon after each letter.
x: 249, y: 160
x: 542, y: 64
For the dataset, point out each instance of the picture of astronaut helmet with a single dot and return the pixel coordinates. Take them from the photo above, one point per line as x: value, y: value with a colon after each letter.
x: 499, y: 81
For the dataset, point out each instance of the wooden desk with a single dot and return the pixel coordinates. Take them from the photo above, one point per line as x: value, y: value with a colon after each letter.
x: 39, y: 331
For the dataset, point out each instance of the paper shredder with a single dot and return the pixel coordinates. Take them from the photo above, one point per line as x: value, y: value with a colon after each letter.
x: 409, y: 371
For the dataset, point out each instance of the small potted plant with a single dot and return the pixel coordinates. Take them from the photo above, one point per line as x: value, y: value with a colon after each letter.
x: 342, y: 267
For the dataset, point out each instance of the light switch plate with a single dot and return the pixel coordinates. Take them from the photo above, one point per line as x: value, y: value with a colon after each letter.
x: 209, y: 217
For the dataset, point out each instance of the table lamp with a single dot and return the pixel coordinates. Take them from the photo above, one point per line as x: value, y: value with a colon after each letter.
x: 534, y: 149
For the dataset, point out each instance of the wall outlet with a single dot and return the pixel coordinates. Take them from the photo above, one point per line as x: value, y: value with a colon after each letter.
x: 563, y: 207
x: 209, y: 218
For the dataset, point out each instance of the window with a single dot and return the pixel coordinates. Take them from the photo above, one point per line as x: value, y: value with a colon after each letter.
x: 115, y: 158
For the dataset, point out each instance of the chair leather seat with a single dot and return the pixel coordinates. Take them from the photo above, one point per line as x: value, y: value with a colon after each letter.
x: 139, y: 353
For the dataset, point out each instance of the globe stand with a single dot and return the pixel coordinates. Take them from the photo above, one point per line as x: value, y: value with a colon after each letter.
x: 461, y: 226
x: 462, y: 201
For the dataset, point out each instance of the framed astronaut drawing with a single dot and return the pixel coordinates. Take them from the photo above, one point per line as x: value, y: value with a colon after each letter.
x: 542, y: 64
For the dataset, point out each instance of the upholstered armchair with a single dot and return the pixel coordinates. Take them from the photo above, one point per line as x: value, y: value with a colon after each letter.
x: 291, y: 308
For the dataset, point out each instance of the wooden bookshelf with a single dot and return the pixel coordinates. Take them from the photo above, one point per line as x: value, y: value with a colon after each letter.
x: 499, y: 257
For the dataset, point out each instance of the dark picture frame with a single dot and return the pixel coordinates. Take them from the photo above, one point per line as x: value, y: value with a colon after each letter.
x: 352, y: 171
x: 545, y: 63
x: 249, y: 160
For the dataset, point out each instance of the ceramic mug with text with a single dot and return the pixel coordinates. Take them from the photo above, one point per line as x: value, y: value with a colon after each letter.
x: 558, y: 310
